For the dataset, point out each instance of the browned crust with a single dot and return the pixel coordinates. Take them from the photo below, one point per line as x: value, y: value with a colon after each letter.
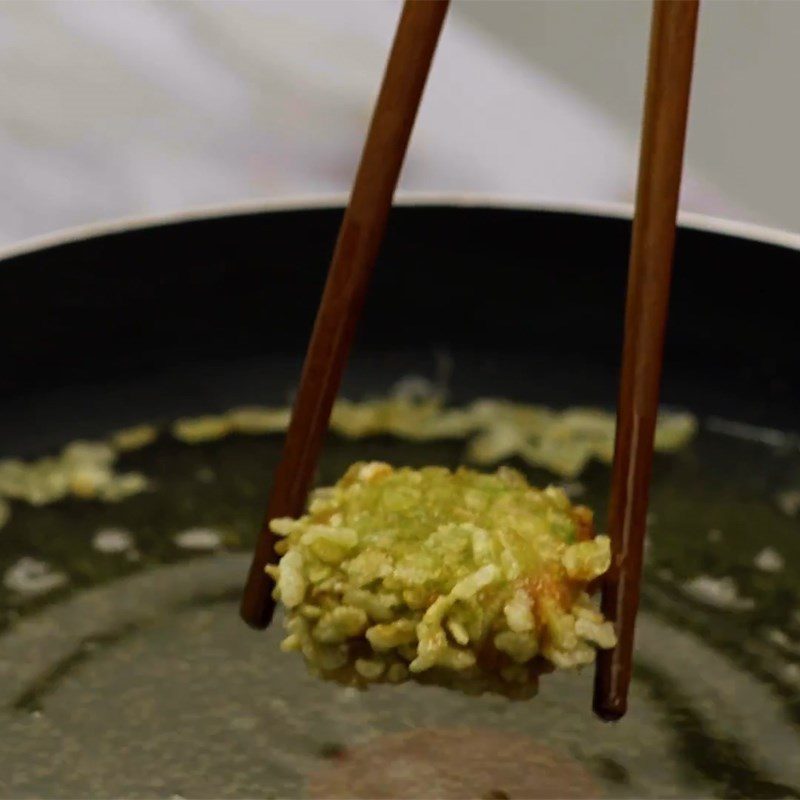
x: 584, y: 520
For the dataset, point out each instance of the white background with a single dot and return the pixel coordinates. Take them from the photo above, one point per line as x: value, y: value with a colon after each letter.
x: 123, y: 108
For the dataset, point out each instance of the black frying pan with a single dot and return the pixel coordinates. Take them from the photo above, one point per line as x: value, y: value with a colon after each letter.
x: 139, y: 667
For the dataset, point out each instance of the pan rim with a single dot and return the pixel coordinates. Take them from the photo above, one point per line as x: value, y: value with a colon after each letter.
x: 596, y: 208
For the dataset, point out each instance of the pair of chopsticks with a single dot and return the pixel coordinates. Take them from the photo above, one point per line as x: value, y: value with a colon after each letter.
x: 669, y: 76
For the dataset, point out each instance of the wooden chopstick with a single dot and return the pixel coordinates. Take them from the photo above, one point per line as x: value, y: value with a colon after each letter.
x: 353, y: 259
x: 669, y: 78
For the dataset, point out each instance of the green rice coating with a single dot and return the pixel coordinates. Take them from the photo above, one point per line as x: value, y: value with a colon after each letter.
x: 461, y: 578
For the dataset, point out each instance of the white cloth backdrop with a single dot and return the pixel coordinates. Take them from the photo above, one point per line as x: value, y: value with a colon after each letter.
x: 113, y: 109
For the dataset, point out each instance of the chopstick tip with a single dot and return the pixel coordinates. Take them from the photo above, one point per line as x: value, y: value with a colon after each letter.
x: 609, y: 713
x: 258, y: 619
x: 257, y: 605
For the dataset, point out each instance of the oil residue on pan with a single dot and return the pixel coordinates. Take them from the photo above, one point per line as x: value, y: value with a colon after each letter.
x: 130, y: 675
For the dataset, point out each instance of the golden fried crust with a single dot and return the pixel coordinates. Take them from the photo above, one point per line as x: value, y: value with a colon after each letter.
x: 468, y: 580
x: 584, y: 521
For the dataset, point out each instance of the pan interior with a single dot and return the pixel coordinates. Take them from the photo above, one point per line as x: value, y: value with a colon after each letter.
x: 138, y: 666
x: 127, y: 671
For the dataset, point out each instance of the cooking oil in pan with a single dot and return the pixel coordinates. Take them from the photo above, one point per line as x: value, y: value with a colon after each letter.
x: 125, y: 671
